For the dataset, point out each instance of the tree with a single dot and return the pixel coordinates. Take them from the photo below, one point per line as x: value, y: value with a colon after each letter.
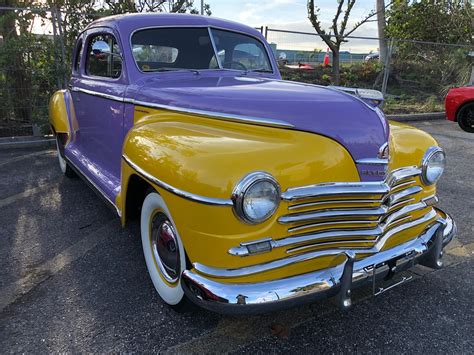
x: 443, y: 21
x: 176, y: 6
x: 14, y: 75
x: 437, y: 21
x: 338, y: 28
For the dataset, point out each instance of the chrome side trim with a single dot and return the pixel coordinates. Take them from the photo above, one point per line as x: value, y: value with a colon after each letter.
x: 209, y: 114
x: 96, y: 93
x: 176, y: 191
x: 279, y: 263
x: 218, y: 115
x: 372, y: 161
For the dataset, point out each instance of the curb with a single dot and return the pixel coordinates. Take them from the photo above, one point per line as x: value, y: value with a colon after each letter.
x: 26, y: 142
x: 417, y: 117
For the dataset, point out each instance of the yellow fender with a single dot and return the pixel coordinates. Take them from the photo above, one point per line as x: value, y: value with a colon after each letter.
x: 61, y: 113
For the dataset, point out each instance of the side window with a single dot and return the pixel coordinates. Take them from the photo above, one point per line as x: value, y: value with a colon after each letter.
x: 103, y: 56
x: 77, y: 59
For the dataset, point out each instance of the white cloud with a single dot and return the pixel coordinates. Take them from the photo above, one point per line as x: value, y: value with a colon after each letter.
x: 292, y: 15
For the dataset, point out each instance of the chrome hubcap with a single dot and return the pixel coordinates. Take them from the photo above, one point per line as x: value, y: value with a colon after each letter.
x: 165, y: 247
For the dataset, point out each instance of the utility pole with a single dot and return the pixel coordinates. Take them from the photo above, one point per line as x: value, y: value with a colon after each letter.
x: 202, y: 7
x: 380, y: 8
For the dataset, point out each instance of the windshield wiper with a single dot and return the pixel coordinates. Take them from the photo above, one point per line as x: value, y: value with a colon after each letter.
x: 259, y: 70
x: 163, y: 69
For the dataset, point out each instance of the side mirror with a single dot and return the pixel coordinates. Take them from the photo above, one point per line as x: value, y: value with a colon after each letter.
x: 101, y: 47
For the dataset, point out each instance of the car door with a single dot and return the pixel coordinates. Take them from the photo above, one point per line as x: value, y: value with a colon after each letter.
x: 97, y: 91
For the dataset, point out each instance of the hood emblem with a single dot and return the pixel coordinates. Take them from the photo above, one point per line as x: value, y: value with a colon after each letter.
x: 384, y: 151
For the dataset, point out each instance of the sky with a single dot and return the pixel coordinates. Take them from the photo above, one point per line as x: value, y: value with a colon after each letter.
x: 286, y: 15
x: 292, y: 15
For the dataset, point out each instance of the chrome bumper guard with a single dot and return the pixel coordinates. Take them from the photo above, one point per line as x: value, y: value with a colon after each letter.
x: 338, y: 281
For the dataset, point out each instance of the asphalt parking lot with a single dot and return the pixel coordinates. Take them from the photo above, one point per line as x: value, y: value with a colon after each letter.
x: 73, y: 280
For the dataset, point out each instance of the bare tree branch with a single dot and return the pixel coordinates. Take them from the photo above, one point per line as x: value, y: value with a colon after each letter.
x: 365, y: 20
x: 336, y: 18
x: 178, y: 5
x: 317, y: 26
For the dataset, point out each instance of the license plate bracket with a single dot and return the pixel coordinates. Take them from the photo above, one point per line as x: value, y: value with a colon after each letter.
x: 390, y: 268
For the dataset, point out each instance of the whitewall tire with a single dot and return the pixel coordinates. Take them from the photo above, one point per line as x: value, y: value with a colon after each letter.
x: 165, y: 258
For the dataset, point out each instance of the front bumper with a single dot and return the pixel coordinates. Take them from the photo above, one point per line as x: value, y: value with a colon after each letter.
x: 253, y: 298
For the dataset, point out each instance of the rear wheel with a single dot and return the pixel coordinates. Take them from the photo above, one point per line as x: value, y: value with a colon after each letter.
x: 163, y: 250
x: 63, y: 165
x: 465, y: 118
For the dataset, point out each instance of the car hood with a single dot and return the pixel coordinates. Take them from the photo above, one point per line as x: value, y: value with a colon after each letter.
x: 361, y: 129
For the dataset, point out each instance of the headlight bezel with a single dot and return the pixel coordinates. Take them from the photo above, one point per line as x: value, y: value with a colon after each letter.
x: 244, y: 185
x: 429, y: 154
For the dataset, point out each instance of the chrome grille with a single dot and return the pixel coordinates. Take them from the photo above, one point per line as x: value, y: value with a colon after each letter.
x: 359, y: 216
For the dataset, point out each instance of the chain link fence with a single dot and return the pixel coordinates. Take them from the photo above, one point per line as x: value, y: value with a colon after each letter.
x: 34, y: 62
x: 35, y: 49
x: 414, y: 77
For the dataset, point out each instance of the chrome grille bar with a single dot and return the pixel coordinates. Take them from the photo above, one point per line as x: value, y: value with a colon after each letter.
x: 335, y: 189
x: 332, y: 213
x: 327, y: 202
x: 337, y: 224
x: 398, y: 196
x: 351, y: 188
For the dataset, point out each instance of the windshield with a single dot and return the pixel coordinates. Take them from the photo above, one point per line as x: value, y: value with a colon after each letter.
x: 241, y: 52
x: 168, y: 49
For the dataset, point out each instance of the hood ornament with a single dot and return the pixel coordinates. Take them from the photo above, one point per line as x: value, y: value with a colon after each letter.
x: 384, y: 151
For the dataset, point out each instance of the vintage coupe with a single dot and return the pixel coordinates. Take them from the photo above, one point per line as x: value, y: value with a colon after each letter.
x: 459, y: 106
x: 253, y: 193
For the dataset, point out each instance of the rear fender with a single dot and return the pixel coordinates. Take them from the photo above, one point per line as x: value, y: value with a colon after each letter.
x: 61, y: 114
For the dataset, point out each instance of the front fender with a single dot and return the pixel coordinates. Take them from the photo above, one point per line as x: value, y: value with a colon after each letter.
x: 208, y: 157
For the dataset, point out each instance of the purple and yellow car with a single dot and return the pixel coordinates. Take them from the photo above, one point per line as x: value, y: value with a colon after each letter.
x: 253, y: 193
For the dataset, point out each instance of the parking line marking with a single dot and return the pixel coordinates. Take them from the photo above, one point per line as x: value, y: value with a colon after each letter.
x: 26, y: 156
x: 36, y: 276
x: 27, y: 193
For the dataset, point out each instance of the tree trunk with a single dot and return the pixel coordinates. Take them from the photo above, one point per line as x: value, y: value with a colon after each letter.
x: 381, y: 30
x: 336, y: 77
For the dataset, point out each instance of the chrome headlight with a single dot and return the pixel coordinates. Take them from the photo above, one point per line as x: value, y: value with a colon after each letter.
x: 256, y: 197
x: 432, y: 165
